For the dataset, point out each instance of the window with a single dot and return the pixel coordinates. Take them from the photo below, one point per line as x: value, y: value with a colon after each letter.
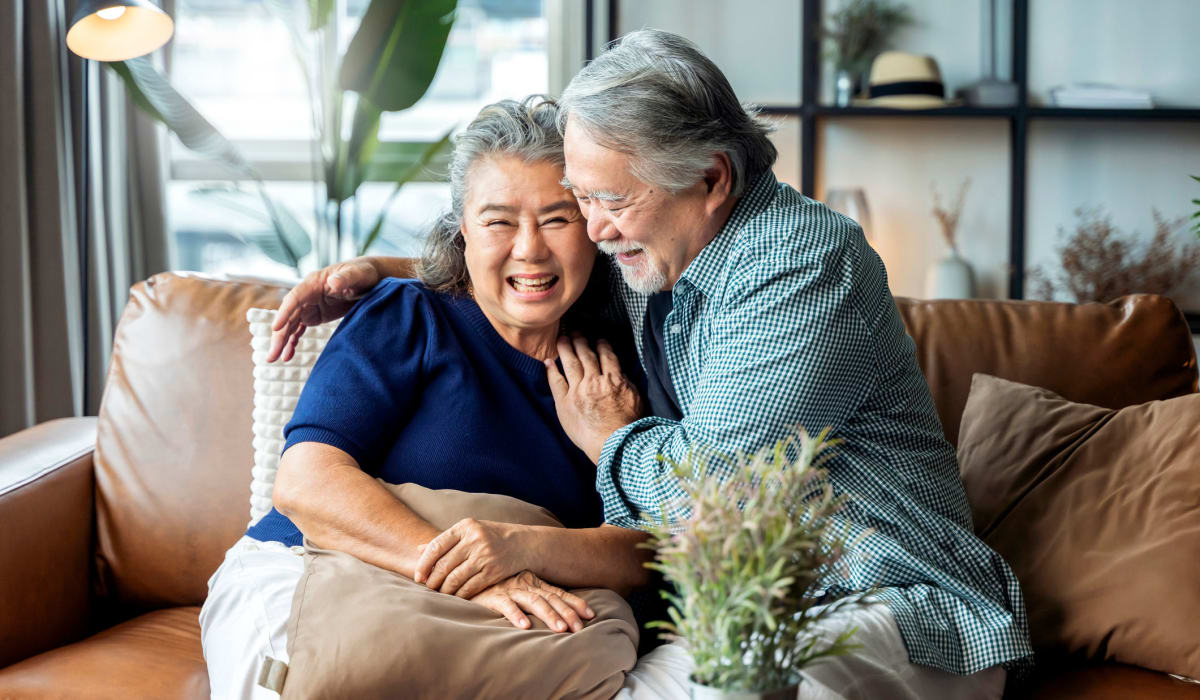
x: 234, y: 61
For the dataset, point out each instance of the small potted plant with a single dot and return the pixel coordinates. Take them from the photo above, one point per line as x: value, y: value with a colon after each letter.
x: 858, y: 31
x: 747, y: 555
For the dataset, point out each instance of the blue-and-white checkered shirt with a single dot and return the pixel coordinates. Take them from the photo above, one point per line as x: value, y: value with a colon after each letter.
x: 783, y: 320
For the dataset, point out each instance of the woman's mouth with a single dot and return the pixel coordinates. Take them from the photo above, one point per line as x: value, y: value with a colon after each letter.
x: 526, y: 284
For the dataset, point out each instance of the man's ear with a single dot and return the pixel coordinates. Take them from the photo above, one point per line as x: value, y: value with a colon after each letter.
x: 718, y: 181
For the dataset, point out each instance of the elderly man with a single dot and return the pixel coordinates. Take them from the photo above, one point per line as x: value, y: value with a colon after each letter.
x: 757, y: 310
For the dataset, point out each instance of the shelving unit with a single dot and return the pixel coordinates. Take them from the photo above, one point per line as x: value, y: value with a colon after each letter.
x: 810, y: 112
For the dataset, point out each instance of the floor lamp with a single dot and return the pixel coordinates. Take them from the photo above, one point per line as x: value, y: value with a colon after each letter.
x: 107, y: 30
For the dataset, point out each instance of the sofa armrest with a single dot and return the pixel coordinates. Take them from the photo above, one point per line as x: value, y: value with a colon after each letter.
x: 47, y: 511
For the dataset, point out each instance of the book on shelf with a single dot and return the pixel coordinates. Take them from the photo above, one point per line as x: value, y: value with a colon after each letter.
x: 1100, y: 96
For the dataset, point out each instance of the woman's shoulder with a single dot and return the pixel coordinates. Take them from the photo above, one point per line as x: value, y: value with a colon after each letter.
x: 395, y: 299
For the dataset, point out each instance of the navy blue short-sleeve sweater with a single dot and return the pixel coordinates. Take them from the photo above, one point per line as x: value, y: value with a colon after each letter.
x: 417, y: 386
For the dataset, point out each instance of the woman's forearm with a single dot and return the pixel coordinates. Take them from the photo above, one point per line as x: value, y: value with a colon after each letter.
x: 338, y: 506
x: 605, y: 557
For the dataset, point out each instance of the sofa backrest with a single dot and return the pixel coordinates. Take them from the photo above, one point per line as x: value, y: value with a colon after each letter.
x: 173, y: 450
x: 1131, y: 350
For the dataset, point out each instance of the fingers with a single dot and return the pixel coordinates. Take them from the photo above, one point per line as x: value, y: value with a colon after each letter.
x: 474, y: 585
x: 505, y: 605
x: 566, y: 612
x: 587, y: 358
x: 435, y: 554
x: 572, y: 368
x: 579, y: 605
x: 558, y: 384
x: 609, y: 364
x: 447, y: 563
x: 536, y: 604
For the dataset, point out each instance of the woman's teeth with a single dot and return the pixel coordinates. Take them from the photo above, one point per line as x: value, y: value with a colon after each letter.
x: 532, y: 284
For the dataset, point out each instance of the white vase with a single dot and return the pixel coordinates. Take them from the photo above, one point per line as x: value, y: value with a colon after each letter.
x: 950, y: 278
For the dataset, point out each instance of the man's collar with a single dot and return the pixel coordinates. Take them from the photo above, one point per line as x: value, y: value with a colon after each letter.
x: 705, y: 270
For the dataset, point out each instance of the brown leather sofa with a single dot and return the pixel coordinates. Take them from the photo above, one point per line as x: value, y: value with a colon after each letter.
x: 111, y: 526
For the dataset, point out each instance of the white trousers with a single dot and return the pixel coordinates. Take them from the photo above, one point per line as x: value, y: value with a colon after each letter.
x: 244, y: 620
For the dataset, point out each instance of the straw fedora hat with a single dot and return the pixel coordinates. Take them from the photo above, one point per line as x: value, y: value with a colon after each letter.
x: 905, y: 80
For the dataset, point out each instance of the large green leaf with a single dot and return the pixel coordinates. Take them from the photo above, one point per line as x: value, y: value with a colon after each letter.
x: 286, y: 249
x: 427, y: 156
x: 319, y: 12
x: 360, y: 149
x: 395, y: 53
x: 153, y: 93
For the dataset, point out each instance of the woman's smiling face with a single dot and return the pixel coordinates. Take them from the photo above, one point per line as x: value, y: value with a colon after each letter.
x: 527, y: 249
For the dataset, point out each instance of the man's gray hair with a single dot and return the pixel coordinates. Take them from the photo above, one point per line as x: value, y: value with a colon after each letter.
x: 526, y: 130
x: 654, y: 96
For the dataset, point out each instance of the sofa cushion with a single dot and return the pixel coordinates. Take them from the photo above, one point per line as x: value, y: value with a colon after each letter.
x: 156, y: 655
x: 1096, y: 510
x: 1132, y: 350
x: 173, y: 450
x: 1106, y: 682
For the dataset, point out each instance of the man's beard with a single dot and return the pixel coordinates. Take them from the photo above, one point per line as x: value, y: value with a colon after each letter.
x: 643, y: 276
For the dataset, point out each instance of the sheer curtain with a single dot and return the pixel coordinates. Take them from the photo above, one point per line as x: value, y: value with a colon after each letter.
x: 56, y: 317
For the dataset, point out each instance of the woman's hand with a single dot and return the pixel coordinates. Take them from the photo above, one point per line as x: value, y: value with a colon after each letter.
x: 526, y: 593
x: 470, y: 556
x: 322, y: 296
x: 593, y: 399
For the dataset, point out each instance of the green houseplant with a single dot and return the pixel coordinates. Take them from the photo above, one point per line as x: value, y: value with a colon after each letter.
x: 1196, y: 214
x: 747, y: 555
x: 388, y: 66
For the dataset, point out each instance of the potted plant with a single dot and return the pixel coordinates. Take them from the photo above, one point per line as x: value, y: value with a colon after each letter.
x: 748, y: 549
x: 856, y: 33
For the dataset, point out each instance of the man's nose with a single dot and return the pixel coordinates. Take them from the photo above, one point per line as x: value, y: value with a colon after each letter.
x: 600, y: 226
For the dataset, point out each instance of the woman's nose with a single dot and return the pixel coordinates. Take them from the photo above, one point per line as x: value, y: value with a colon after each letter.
x: 529, y: 244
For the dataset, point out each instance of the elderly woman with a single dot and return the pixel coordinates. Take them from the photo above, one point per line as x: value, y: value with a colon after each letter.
x: 427, y: 381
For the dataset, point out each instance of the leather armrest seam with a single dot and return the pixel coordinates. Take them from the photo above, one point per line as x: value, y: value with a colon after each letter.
x: 4, y: 490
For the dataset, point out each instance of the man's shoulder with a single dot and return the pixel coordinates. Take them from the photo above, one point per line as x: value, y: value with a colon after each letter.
x: 793, y: 232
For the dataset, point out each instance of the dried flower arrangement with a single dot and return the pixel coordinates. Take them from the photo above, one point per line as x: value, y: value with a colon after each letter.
x: 1100, y: 263
x: 948, y: 218
x: 747, y: 550
x: 860, y: 30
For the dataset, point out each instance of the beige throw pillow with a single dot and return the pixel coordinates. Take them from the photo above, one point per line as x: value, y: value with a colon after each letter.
x: 1098, y: 513
x: 359, y: 631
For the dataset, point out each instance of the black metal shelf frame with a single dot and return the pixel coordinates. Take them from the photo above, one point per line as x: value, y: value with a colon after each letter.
x: 810, y: 111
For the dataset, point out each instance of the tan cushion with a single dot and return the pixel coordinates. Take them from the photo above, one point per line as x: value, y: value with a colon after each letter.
x: 364, y: 632
x: 156, y: 655
x: 1098, y: 512
x: 1132, y: 350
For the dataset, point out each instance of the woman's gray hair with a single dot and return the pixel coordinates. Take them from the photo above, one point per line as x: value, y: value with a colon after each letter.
x: 654, y: 96
x: 526, y: 130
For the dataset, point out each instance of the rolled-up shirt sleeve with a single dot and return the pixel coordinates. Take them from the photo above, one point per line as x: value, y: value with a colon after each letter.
x: 786, y: 347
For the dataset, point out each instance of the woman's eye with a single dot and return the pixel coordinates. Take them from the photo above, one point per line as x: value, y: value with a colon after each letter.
x: 555, y: 220
x: 498, y: 223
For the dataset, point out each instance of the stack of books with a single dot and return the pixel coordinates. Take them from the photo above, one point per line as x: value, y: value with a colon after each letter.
x: 1100, y: 96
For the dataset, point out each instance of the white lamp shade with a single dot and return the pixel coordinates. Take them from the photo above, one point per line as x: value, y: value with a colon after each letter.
x: 137, y: 27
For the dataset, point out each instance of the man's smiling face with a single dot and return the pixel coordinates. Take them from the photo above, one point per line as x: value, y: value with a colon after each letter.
x: 653, y: 233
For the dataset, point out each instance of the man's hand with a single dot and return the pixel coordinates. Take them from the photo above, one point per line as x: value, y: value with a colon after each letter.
x: 470, y: 556
x: 526, y: 593
x: 593, y: 399
x: 320, y: 297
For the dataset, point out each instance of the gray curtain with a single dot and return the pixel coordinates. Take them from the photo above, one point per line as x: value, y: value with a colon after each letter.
x: 56, y: 317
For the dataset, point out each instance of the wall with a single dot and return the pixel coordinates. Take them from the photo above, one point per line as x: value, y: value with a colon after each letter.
x: 1128, y: 167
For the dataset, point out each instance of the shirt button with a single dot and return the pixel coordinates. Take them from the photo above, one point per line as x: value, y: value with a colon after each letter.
x: 675, y: 328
